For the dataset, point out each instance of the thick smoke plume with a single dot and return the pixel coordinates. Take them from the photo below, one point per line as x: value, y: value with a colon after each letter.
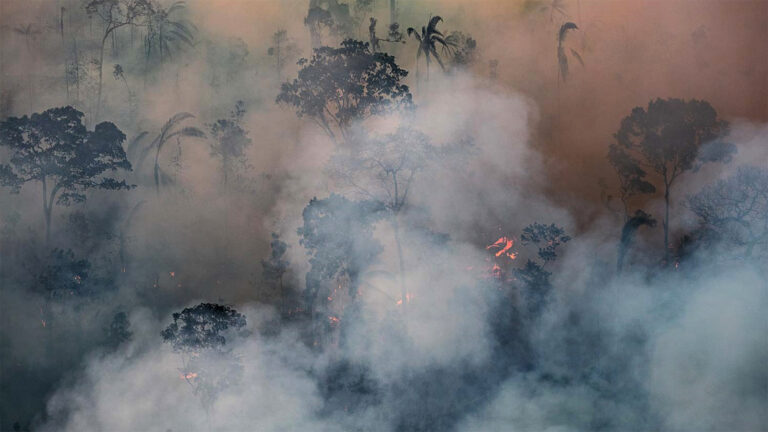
x: 499, y: 285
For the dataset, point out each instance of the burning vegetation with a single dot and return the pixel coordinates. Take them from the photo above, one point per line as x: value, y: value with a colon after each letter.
x: 310, y: 231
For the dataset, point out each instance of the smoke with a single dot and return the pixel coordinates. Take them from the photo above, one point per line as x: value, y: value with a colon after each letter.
x: 633, y: 351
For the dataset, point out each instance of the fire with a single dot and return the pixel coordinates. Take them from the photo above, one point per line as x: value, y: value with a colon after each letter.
x: 43, y: 321
x: 173, y: 274
x: 408, y: 298
x: 333, y: 319
x: 189, y: 376
x: 503, y: 247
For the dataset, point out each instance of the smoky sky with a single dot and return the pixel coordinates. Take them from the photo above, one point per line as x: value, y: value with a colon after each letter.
x: 646, y: 349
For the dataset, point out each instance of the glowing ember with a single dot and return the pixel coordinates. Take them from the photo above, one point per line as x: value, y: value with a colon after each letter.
x: 333, y: 319
x: 43, y: 321
x: 173, y: 274
x: 189, y: 376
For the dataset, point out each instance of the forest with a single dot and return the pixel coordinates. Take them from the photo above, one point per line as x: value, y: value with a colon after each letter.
x: 383, y: 215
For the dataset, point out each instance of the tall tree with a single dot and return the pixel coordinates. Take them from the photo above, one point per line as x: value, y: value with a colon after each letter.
x: 115, y: 14
x: 28, y: 32
x: 669, y: 138
x: 166, y: 32
x: 55, y: 148
x: 340, y: 86
x: 383, y: 169
x: 428, y: 40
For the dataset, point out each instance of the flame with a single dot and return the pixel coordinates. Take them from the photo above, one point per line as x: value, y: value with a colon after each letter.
x: 189, y: 375
x: 408, y: 298
x: 173, y: 274
x: 504, y: 245
x: 333, y: 319
x: 43, y: 321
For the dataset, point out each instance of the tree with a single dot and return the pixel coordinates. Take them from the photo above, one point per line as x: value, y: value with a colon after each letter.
x: 532, y: 278
x: 118, y: 332
x: 670, y: 137
x: 230, y: 140
x: 199, y: 335
x: 543, y: 6
x: 338, y: 236
x: 736, y: 209
x: 276, y: 266
x: 428, y: 40
x: 168, y: 131
x: 64, y: 275
x: 55, y: 148
x: 340, y: 86
x: 28, y: 32
x: 465, y: 51
x: 119, y: 75
x: 166, y: 33
x: 115, y: 14
x: 562, y: 57
x: 283, y: 49
x: 393, y: 36
x: 383, y: 169
x: 628, y: 231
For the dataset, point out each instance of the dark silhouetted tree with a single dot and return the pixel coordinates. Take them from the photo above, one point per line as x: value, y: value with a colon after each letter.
x: 115, y: 14
x: 465, y: 52
x: 628, y: 231
x: 275, y: 267
x: 562, y: 57
x: 340, y: 86
x: 118, y: 332
x: 669, y: 138
x: 532, y: 278
x: 199, y: 335
x: 55, y: 148
x: 428, y: 40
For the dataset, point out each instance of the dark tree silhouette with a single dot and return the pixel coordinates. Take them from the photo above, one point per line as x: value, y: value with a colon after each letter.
x: 118, y: 332
x: 562, y: 57
x: 669, y: 138
x: 631, y: 225
x: 115, y: 14
x: 428, y: 40
x: 230, y: 141
x: 532, y: 279
x: 736, y: 209
x: 199, y: 335
x: 465, y: 51
x: 165, y: 33
x: 275, y: 267
x: 55, y: 148
x: 64, y: 275
x: 339, y: 86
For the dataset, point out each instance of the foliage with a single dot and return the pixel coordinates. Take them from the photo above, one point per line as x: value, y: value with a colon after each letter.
x: 230, y: 140
x: 669, y: 138
x: 339, y: 86
x: 166, y: 34
x: 562, y: 57
x: 202, y: 327
x: 383, y: 169
x: 549, y: 236
x: 275, y: 267
x: 64, y: 275
x: 119, y: 331
x: 736, y: 208
x: 283, y: 49
x: 55, y: 148
x: 465, y: 51
x: 631, y: 225
x: 338, y: 236
x: 428, y: 40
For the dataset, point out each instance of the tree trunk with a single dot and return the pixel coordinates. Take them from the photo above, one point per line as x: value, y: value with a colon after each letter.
x: 401, y: 262
x: 667, y: 255
x: 101, y: 76
x: 392, y: 11
x: 157, y: 170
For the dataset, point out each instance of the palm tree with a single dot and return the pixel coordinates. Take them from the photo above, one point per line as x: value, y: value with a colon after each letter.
x: 562, y: 58
x: 168, y: 131
x: 167, y: 33
x: 428, y: 40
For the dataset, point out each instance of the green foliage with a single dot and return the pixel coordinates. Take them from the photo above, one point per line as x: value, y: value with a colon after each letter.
x: 548, y: 236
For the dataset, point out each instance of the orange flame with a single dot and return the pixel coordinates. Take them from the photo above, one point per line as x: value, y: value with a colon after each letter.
x: 189, y: 376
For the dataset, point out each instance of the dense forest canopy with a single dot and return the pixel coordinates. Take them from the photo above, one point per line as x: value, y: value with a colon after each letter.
x: 386, y: 215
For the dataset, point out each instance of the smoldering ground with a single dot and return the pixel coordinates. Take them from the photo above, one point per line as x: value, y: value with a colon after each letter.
x: 650, y: 348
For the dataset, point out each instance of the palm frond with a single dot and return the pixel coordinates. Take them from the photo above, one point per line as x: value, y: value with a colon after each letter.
x: 431, y: 27
x: 562, y: 60
x: 564, y: 30
x: 577, y: 56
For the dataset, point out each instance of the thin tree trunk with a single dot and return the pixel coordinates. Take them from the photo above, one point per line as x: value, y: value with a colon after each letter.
x: 666, y: 223
x: 392, y: 11
x: 401, y: 262
x: 101, y: 76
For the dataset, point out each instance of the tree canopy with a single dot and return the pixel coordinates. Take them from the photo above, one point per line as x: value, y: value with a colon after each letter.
x: 339, y: 86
